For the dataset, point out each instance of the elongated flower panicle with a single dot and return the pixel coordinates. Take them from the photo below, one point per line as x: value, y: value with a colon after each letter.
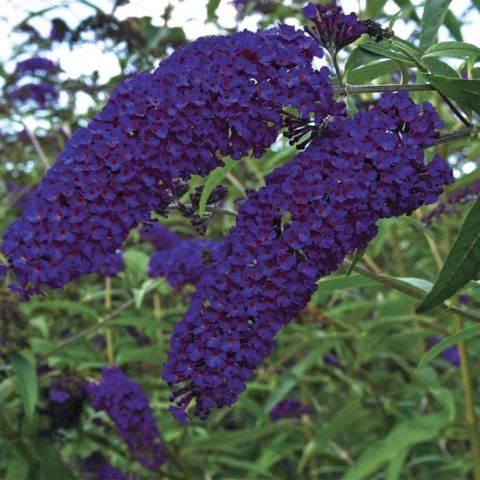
x: 216, y: 97
x: 290, y: 408
x: 183, y: 263
x: 127, y: 405
x: 298, y: 228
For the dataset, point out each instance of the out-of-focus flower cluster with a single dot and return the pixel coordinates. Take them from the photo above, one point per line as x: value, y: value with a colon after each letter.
x: 450, y: 354
x: 97, y: 467
x: 290, y: 408
x: 65, y: 397
x: 298, y: 228
x: 42, y: 92
x: 454, y: 204
x: 216, y: 97
x: 127, y: 405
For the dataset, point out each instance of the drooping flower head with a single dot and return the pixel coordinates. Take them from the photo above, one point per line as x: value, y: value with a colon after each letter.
x: 127, y: 405
x: 332, y: 29
x: 216, y: 97
x: 298, y: 228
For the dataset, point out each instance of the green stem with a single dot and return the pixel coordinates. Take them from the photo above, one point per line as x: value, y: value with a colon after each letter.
x: 93, y: 328
x: 470, y: 415
x: 410, y: 291
x: 347, y: 89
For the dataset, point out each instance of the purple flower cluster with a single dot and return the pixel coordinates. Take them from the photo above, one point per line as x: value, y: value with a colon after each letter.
x: 216, y: 97
x: 332, y: 29
x: 183, y: 263
x: 35, y: 65
x: 113, y: 265
x: 127, y: 405
x: 454, y: 204
x: 450, y: 354
x: 290, y: 408
x: 97, y: 467
x: 41, y: 93
x: 299, y: 227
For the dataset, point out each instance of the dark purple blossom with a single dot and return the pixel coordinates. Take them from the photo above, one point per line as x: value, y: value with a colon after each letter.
x: 184, y: 263
x: 97, y: 467
x: 298, y: 228
x: 131, y: 156
x: 35, y: 65
x: 450, y: 354
x: 331, y: 359
x: 332, y: 29
x: 290, y: 408
x: 127, y: 405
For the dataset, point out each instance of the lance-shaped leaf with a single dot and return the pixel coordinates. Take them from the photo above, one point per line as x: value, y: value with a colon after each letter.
x: 462, y: 263
x: 433, y: 17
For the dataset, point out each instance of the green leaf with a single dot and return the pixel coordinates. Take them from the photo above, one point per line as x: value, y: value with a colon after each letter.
x: 24, y: 368
x: 452, y: 50
x: 360, y: 57
x: 370, y: 72
x: 330, y: 285
x: 212, y: 181
x: 212, y: 6
x: 454, y: 26
x: 374, y: 8
x: 356, y: 258
x: 465, y: 92
x: 462, y: 336
x: 400, y: 439
x: 145, y: 354
x: 438, y: 67
x: 385, y: 51
x: 462, y: 263
x: 434, y: 14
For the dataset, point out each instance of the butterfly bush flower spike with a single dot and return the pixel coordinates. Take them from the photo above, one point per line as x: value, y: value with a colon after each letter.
x: 298, y: 228
x: 127, y: 405
x: 132, y: 155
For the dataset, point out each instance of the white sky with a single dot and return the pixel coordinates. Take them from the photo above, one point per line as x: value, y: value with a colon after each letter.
x: 189, y: 14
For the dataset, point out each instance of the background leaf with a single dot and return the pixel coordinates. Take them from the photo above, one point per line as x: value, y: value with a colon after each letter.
x: 462, y: 263
x: 434, y: 13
